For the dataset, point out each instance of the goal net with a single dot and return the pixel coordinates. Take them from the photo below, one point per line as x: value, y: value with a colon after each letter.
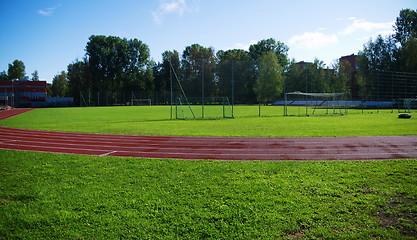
x: 141, y: 102
x: 201, y: 108
x: 407, y: 105
x: 315, y: 104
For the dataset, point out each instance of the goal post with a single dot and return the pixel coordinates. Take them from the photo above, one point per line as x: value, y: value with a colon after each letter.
x: 141, y: 102
x: 315, y: 104
x: 406, y: 105
x: 203, y: 108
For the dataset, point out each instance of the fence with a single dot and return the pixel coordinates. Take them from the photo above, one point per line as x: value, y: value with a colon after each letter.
x: 122, y: 98
x: 375, y: 90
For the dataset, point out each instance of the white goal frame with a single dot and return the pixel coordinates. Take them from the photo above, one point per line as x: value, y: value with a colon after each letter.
x: 140, y: 101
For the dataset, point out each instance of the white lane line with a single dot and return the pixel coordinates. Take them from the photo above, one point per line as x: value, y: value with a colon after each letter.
x: 107, y: 154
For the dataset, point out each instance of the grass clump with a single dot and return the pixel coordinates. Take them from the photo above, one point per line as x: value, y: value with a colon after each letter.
x: 50, y: 196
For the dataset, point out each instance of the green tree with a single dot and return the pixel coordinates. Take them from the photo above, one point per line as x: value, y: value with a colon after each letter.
x: 269, y: 83
x: 408, y: 56
x: 35, y: 76
x: 316, y: 79
x: 270, y: 45
x: 340, y: 82
x: 3, y: 76
x: 162, y: 71
x: 406, y: 26
x: 194, y: 58
x: 60, y: 85
x: 378, y: 55
x: 16, y: 70
x: 294, y: 78
x: 79, y: 79
x: 236, y: 64
x: 406, y: 34
x: 117, y: 64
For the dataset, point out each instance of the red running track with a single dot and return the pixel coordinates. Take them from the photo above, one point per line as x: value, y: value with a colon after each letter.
x: 13, y: 112
x: 218, y: 148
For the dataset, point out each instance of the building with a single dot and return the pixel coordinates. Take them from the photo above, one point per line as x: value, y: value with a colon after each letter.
x: 350, y: 62
x: 23, y: 93
x: 302, y: 65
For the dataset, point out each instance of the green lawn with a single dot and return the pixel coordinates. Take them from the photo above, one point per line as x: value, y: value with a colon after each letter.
x: 155, y: 120
x: 53, y: 196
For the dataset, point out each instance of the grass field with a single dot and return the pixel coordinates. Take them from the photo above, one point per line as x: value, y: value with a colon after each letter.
x: 155, y: 120
x: 52, y: 196
x: 55, y: 196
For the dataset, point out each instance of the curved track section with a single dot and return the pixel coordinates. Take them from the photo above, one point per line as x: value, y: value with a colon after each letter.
x: 11, y: 113
x: 217, y: 148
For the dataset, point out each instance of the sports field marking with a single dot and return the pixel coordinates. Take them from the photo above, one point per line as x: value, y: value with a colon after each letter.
x: 107, y: 154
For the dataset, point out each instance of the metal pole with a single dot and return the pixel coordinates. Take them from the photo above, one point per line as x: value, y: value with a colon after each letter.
x: 306, y: 92
x: 13, y: 94
x: 202, y: 89
x: 170, y: 81
x: 233, y: 89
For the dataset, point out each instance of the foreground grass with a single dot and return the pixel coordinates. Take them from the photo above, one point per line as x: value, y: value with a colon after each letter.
x: 52, y: 196
x: 155, y: 120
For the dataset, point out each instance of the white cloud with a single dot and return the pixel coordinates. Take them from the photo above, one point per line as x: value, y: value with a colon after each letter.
x: 178, y: 7
x: 363, y: 25
x: 312, y: 40
x: 243, y: 46
x: 47, y: 11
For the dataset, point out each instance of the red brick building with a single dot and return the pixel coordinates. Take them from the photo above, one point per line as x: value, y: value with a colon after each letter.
x: 22, y: 92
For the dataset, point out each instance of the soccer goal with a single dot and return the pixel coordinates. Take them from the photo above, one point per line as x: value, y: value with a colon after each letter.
x: 315, y: 104
x: 203, y: 108
x: 407, y: 105
x: 141, y: 102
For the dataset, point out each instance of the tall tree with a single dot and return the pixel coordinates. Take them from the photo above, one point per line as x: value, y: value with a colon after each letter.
x: 406, y: 26
x: 340, y: 82
x: 269, y: 83
x: 79, y: 79
x: 294, y: 78
x: 406, y: 34
x: 198, y: 61
x: 35, y: 76
x: 316, y: 79
x: 16, y: 70
x: 3, y: 76
x: 119, y: 64
x: 60, y: 85
x: 236, y: 65
x: 162, y: 71
x: 407, y: 56
x: 270, y: 45
x: 378, y: 55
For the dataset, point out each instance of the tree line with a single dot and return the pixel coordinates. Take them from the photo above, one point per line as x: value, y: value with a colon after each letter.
x: 261, y: 74
x: 394, y: 53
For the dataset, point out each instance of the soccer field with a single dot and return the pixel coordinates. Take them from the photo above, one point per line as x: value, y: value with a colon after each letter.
x: 155, y: 120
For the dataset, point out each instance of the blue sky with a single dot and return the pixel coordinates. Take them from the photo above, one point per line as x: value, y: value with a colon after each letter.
x: 47, y: 35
